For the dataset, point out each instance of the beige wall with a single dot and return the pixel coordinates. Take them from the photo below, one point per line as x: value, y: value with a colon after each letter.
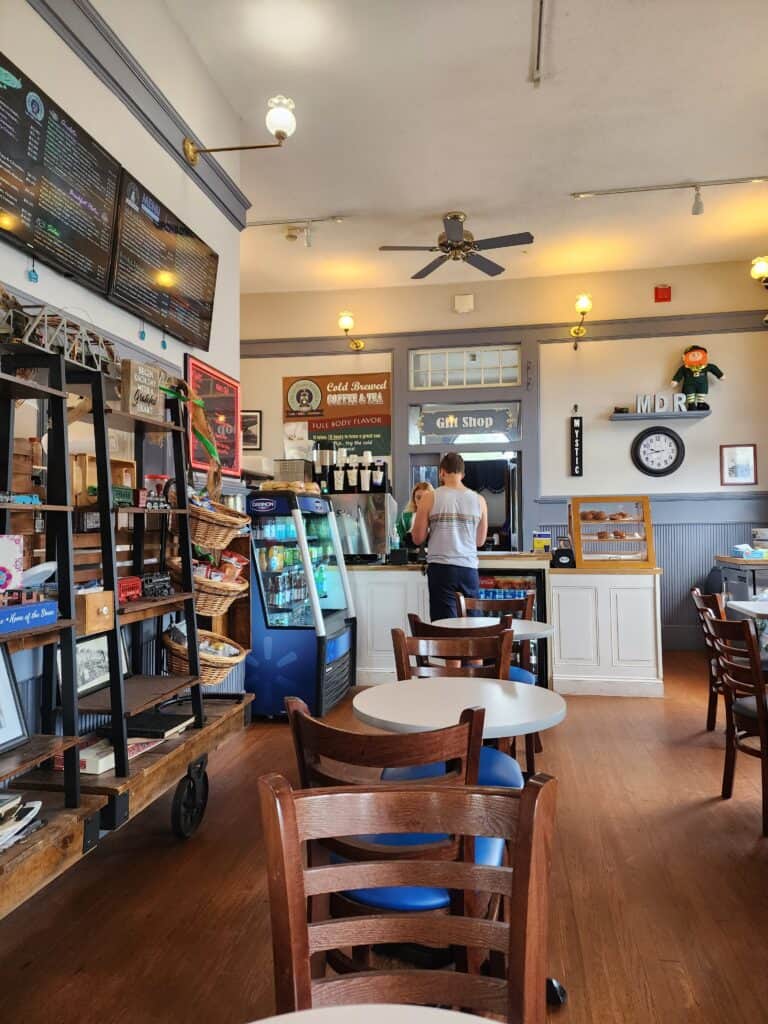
x: 706, y: 288
x: 262, y: 386
x: 604, y: 374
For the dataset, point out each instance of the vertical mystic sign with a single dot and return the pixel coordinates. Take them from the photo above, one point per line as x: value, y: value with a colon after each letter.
x: 577, y: 446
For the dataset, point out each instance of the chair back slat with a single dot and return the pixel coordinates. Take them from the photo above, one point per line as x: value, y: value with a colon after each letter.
x: 738, y: 655
x: 325, y: 754
x: 423, y: 988
x: 712, y: 604
x: 463, y: 876
x: 517, y: 607
x: 488, y: 657
x: 525, y: 818
x: 426, y: 629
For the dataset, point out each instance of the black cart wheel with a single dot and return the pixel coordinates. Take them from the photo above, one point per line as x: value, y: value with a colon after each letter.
x: 189, y: 803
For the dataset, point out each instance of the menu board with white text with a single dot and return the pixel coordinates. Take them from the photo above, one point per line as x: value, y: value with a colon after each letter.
x: 58, y: 186
x: 162, y: 271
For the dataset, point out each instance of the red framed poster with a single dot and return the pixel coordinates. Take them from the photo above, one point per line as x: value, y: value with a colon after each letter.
x: 221, y: 395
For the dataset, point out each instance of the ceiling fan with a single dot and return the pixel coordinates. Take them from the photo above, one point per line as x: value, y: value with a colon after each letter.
x: 456, y: 243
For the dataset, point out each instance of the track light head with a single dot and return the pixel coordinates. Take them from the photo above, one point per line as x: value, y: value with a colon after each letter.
x: 698, y: 203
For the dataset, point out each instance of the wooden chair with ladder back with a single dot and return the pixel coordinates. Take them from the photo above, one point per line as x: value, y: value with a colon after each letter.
x: 744, y: 691
x: 328, y: 756
x: 485, y: 657
x: 515, y: 987
x: 502, y: 607
x: 715, y: 604
x: 426, y: 631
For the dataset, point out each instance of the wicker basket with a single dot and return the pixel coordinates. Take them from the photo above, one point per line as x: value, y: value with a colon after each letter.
x: 215, y: 529
x: 213, y: 668
x: 212, y: 597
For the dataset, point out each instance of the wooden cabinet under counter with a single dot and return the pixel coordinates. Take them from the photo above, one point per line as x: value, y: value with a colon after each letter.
x: 607, y: 631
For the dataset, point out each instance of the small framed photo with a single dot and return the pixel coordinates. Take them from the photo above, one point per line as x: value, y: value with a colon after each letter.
x: 738, y: 464
x: 250, y: 425
x: 13, y: 728
x: 93, y: 663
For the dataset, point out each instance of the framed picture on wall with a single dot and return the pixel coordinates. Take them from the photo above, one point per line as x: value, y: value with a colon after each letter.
x: 13, y: 728
x: 738, y: 464
x: 221, y: 397
x: 250, y: 425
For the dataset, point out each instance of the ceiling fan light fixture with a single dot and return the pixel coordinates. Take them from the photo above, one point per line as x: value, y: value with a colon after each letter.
x: 698, y: 203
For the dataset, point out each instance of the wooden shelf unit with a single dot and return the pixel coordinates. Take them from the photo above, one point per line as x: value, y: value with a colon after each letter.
x: 38, y: 748
x: 141, y: 693
x: 150, y: 607
x: 637, y: 509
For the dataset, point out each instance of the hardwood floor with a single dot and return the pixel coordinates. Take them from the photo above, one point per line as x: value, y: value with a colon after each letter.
x: 661, y: 888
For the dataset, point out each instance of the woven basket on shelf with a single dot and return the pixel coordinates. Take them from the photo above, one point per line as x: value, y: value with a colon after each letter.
x: 213, y: 667
x: 214, y: 529
x: 212, y: 597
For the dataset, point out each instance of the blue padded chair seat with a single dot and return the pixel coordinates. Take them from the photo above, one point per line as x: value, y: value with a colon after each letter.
x: 496, y: 769
x: 746, y: 706
x: 521, y: 675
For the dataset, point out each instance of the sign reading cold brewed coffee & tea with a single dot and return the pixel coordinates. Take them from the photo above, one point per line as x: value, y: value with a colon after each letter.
x: 353, y: 410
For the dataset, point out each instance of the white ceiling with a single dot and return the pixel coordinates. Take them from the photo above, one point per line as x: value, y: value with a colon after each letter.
x: 409, y: 108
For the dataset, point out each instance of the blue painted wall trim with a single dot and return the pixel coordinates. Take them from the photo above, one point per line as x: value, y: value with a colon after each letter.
x: 83, y: 29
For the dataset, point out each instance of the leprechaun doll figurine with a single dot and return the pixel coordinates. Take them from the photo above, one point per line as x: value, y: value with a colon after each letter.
x: 694, y: 377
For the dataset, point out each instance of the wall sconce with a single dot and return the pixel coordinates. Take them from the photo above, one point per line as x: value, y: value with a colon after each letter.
x: 347, y: 323
x: 280, y: 122
x: 583, y: 306
x: 759, y: 270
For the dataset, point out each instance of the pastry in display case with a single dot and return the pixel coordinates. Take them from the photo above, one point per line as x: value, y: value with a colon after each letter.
x: 607, y: 530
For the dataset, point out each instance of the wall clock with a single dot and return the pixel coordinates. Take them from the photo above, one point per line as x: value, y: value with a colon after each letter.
x: 658, y: 451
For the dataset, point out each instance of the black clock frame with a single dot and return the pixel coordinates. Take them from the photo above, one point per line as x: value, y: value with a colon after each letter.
x: 673, y: 467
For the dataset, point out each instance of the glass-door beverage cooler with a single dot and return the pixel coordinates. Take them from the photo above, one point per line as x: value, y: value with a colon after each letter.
x: 303, y: 618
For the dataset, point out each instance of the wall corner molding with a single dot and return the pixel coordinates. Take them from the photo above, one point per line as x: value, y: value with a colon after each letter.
x: 81, y: 27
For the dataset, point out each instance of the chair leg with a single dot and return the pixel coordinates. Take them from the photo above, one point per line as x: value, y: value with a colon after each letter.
x: 711, y: 709
x: 538, y: 746
x: 764, y: 781
x: 729, y: 766
x: 530, y: 753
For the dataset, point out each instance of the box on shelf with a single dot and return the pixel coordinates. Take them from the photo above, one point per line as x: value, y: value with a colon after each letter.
x: 83, y: 474
x: 94, y: 612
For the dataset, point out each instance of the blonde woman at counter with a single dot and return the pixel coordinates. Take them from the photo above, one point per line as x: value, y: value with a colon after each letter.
x: 405, y: 519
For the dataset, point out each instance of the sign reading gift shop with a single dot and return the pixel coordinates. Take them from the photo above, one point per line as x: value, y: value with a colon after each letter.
x: 354, y: 410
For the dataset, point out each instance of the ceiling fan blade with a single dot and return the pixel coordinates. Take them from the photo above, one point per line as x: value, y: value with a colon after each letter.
x: 408, y: 248
x: 454, y: 229
x: 431, y: 266
x: 502, y: 241
x: 487, y: 266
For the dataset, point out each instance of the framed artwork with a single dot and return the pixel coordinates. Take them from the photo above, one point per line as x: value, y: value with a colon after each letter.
x: 93, y: 663
x: 13, y: 728
x: 221, y: 396
x: 738, y: 464
x: 250, y: 423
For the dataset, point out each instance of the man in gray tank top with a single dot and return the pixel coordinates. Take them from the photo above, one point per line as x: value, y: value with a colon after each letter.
x: 456, y: 521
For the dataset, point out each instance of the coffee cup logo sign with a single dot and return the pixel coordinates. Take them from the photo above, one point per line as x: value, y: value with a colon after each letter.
x: 351, y: 410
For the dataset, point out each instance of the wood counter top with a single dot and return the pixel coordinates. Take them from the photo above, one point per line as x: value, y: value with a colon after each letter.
x: 621, y: 569
x: 489, y: 560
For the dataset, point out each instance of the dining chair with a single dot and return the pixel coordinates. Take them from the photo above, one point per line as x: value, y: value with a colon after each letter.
x: 328, y: 756
x: 743, y: 686
x: 710, y: 603
x: 482, y: 656
x: 515, y: 987
x: 457, y: 646
x: 517, y: 674
x: 517, y: 607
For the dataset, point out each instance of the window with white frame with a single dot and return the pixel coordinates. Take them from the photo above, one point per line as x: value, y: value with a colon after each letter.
x: 486, y: 366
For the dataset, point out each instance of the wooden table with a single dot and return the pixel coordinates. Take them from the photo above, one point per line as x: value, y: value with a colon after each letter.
x: 380, y: 1014
x: 419, y: 705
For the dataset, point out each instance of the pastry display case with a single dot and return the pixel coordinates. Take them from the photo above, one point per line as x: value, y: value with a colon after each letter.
x: 607, y: 531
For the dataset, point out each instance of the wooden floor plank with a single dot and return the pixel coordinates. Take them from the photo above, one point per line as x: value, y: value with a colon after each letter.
x: 660, y: 913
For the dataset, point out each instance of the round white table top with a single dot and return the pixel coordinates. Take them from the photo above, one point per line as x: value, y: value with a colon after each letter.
x: 524, y: 629
x: 418, y: 705
x: 385, y: 1013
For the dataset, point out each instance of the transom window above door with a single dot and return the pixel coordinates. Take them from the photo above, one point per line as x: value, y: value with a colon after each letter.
x: 486, y: 366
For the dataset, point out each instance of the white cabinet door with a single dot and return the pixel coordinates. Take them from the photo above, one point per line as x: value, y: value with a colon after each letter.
x: 607, y: 634
x: 382, y: 602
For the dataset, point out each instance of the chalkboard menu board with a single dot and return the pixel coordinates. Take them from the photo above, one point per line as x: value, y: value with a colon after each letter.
x: 58, y: 187
x: 162, y: 271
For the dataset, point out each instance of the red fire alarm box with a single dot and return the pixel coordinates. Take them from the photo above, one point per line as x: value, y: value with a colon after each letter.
x: 662, y: 293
